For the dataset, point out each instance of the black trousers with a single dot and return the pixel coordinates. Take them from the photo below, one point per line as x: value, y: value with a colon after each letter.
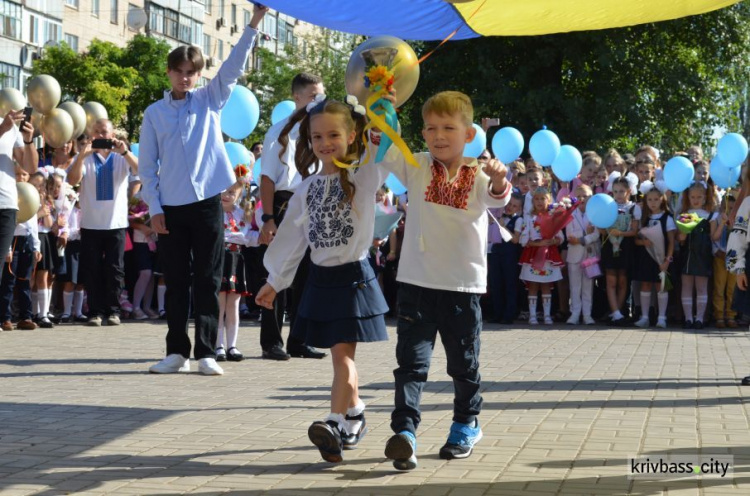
x: 103, y: 267
x: 195, y: 241
x: 272, y: 321
x: 7, y: 228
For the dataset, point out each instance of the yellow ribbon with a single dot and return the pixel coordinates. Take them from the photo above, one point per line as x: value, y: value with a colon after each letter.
x: 379, y: 122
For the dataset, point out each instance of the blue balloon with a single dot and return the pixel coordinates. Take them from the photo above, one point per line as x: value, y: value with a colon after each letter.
x: 240, y: 114
x: 544, y: 147
x: 678, y: 174
x: 723, y: 176
x: 395, y: 185
x: 282, y: 110
x: 477, y: 145
x: 567, y: 164
x: 257, y: 171
x: 135, y: 149
x: 507, y: 144
x: 732, y: 149
x: 601, y: 211
x: 237, y: 153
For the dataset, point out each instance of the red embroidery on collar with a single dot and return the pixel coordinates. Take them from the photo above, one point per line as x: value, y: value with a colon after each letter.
x: 451, y: 194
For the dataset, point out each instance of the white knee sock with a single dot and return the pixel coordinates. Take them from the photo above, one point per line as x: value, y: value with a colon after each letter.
x: 43, y: 305
x: 663, y: 299
x: 532, y: 307
x: 48, y: 301
x: 547, y: 304
x: 78, y: 303
x: 645, y: 302
x: 701, y: 303
x: 161, y: 290
x: 67, y: 302
x: 687, y: 308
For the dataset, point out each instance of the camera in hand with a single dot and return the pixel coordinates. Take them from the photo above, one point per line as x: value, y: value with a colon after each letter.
x: 102, y: 144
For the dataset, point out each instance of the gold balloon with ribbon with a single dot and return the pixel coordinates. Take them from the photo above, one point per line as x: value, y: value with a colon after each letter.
x: 57, y: 128
x: 94, y: 111
x: 28, y: 202
x: 11, y: 99
x: 78, y: 115
x: 405, y: 67
x: 43, y: 93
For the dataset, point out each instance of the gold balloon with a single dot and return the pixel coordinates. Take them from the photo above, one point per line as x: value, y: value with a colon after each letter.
x: 28, y: 202
x: 43, y: 93
x: 405, y: 67
x: 57, y: 128
x: 11, y: 99
x: 94, y: 112
x: 78, y: 115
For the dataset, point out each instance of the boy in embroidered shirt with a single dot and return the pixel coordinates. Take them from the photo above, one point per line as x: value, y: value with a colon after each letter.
x: 443, y: 272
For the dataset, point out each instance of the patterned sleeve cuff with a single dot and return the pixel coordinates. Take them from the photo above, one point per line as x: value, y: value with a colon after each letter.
x: 506, y: 191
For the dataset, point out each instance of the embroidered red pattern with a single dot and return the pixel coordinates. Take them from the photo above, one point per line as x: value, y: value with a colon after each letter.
x: 451, y: 194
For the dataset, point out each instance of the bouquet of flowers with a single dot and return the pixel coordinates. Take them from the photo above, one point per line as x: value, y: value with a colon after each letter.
x: 550, y: 223
x: 138, y: 210
x: 656, y: 251
x: 687, y: 222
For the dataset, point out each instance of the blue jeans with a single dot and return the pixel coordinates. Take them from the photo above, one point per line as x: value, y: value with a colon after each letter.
x: 422, y: 313
x: 502, y: 275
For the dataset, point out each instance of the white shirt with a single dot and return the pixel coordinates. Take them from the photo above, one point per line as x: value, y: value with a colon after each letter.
x: 282, y: 171
x: 654, y: 220
x: 577, y: 229
x: 446, y: 228
x: 108, y: 214
x: 8, y: 193
x: 335, y: 234
x: 29, y: 228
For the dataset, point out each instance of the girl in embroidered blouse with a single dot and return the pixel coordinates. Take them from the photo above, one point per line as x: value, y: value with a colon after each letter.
x: 332, y: 215
x: 538, y: 273
x: 237, y: 233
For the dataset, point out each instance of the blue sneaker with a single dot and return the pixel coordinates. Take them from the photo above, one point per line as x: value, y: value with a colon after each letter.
x: 461, y: 440
x: 402, y: 449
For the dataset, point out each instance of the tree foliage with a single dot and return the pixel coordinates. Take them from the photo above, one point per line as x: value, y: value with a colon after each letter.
x: 669, y: 84
x: 124, y: 80
x: 325, y: 55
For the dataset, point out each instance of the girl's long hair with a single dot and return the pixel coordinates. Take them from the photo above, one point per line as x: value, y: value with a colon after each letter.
x: 708, y: 188
x: 304, y: 156
x: 646, y: 213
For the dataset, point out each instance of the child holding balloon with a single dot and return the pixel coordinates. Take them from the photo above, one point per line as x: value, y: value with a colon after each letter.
x: 540, y: 274
x: 698, y: 199
x: 617, y: 248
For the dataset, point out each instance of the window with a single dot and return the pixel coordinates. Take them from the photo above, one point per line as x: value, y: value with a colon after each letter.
x: 206, y: 45
x: 222, y: 8
x: 10, y: 19
x: 113, y: 11
x: 197, y: 33
x: 72, y: 3
x: 246, y: 17
x: 234, y: 14
x: 186, y: 30
x: 157, y: 18
x: 72, y: 41
x: 10, y: 76
x: 208, y: 6
x: 281, y: 33
x: 52, y: 32
x: 33, y: 30
x: 171, y: 23
x: 95, y: 8
x: 221, y: 49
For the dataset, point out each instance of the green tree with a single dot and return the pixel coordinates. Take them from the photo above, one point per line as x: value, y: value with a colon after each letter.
x: 669, y: 84
x: 124, y: 80
x: 325, y: 55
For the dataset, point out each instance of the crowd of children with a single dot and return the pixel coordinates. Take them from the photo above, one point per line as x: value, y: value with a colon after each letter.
x: 642, y: 270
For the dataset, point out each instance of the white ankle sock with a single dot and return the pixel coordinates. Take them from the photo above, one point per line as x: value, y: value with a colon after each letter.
x: 339, y: 419
x: 353, y: 426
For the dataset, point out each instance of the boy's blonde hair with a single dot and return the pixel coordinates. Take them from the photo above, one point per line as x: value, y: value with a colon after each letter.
x: 450, y: 103
x: 585, y: 188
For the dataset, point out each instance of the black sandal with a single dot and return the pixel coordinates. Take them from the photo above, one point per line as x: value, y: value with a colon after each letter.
x: 234, y: 356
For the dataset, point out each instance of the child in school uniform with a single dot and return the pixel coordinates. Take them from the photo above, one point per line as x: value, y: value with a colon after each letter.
x: 724, y: 281
x: 332, y: 214
x: 502, y: 260
x: 582, y: 236
x: 443, y: 273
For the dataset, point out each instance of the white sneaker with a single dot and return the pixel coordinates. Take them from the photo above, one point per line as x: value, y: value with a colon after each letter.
x: 139, y: 314
x: 661, y: 322
x: 151, y: 314
x: 532, y: 320
x: 172, y: 364
x: 548, y: 320
x: 208, y: 366
x: 573, y: 320
x: 642, y: 322
x: 589, y: 321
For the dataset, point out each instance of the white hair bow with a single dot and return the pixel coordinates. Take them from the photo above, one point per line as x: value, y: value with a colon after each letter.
x: 352, y: 101
x: 47, y: 171
x: 61, y: 172
x: 630, y: 177
x: 317, y: 100
x: 646, y: 186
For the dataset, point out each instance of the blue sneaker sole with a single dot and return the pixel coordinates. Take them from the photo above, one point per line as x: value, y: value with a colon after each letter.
x: 400, y: 450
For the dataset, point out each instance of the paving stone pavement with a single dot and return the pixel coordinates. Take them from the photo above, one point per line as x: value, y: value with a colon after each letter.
x: 564, y: 411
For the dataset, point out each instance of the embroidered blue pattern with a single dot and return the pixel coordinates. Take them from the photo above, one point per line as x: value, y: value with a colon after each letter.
x: 331, y: 222
x: 105, y: 178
